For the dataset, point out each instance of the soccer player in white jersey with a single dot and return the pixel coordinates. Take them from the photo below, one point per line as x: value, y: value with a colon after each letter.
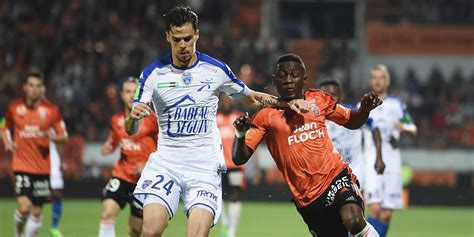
x: 346, y: 141
x: 57, y: 186
x: 383, y: 192
x: 183, y: 88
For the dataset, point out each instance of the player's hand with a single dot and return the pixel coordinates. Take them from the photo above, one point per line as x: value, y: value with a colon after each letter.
x: 379, y: 166
x: 399, y: 126
x: 300, y: 106
x: 140, y: 110
x: 242, y: 123
x: 10, y: 147
x: 107, y: 148
x: 370, y: 101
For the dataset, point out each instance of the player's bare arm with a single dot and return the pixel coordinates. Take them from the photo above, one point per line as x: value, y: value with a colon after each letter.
x: 408, y: 128
x: 379, y: 164
x: 58, y: 137
x: 259, y: 100
x: 241, y: 153
x: 7, y: 141
x: 359, y: 117
x: 139, y: 111
x: 107, y: 148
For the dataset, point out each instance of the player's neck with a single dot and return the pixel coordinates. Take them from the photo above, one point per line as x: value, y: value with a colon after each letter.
x: 185, y: 64
x: 31, y: 102
x: 383, y: 95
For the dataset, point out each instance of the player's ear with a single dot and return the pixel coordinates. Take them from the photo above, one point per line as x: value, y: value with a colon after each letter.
x: 197, y: 35
x: 273, y: 79
x: 168, y: 37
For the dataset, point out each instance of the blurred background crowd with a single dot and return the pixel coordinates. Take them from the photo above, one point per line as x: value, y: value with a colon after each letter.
x: 85, y: 48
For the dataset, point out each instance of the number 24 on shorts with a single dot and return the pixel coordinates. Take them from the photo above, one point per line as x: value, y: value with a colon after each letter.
x: 167, y: 186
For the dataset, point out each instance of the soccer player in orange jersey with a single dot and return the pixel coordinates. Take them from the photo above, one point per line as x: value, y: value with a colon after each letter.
x: 34, y: 122
x: 234, y: 180
x: 325, y: 191
x: 134, y: 152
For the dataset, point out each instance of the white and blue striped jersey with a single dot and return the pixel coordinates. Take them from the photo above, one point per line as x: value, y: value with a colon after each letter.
x: 391, y: 111
x: 346, y: 141
x: 185, y: 101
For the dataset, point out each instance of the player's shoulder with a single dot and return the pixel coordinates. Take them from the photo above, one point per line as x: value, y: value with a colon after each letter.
x: 313, y: 93
x: 118, y: 115
x: 394, y: 101
x: 157, y: 64
x: 50, y: 105
x: 16, y: 102
x: 213, y: 62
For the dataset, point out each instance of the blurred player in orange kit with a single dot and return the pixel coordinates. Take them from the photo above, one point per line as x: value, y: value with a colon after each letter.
x: 325, y: 191
x: 134, y: 152
x: 35, y: 122
x: 234, y: 181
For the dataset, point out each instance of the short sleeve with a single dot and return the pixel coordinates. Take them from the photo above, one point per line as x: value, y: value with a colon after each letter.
x: 144, y: 91
x: 339, y: 114
x: 58, y: 123
x: 258, y: 130
x: 232, y: 86
x: 334, y: 111
x: 406, y: 117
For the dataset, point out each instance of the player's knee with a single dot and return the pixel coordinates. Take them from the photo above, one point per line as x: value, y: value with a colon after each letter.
x: 355, y: 224
x: 151, y: 230
x: 24, y: 209
x: 134, y: 231
x: 375, y: 210
x: 385, y: 216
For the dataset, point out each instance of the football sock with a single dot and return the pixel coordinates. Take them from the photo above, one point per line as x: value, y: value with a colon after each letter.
x: 368, y: 231
x: 19, y: 220
x: 224, y: 217
x: 380, y: 227
x: 57, y: 211
x: 234, y: 216
x: 107, y: 228
x: 33, y: 225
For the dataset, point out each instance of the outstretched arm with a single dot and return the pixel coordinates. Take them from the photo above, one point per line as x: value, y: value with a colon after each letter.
x: 359, y: 117
x: 379, y: 164
x: 241, y: 153
x: 258, y: 100
x: 133, y: 122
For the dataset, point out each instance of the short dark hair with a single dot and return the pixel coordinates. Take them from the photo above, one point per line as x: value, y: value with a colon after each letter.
x: 37, y: 75
x: 291, y: 57
x: 128, y: 79
x: 179, y: 16
x: 331, y: 82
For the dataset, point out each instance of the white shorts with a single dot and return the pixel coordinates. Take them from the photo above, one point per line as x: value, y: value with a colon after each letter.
x: 56, y: 176
x: 385, y: 189
x: 165, y: 184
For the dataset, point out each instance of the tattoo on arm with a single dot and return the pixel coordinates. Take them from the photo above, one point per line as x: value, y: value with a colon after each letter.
x: 267, y: 102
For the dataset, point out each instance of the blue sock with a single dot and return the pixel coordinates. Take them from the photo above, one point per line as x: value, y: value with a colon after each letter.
x: 380, y: 227
x: 57, y: 211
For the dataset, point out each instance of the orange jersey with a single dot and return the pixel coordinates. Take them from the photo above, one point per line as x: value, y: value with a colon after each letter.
x: 134, y: 149
x: 225, y: 122
x: 30, y: 128
x: 300, y: 145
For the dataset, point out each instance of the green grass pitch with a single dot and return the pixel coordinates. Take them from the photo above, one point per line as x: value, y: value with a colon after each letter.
x: 81, y: 218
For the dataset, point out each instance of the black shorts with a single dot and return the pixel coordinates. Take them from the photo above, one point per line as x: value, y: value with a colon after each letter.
x: 121, y: 192
x: 322, y: 216
x: 234, y: 179
x: 35, y: 187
